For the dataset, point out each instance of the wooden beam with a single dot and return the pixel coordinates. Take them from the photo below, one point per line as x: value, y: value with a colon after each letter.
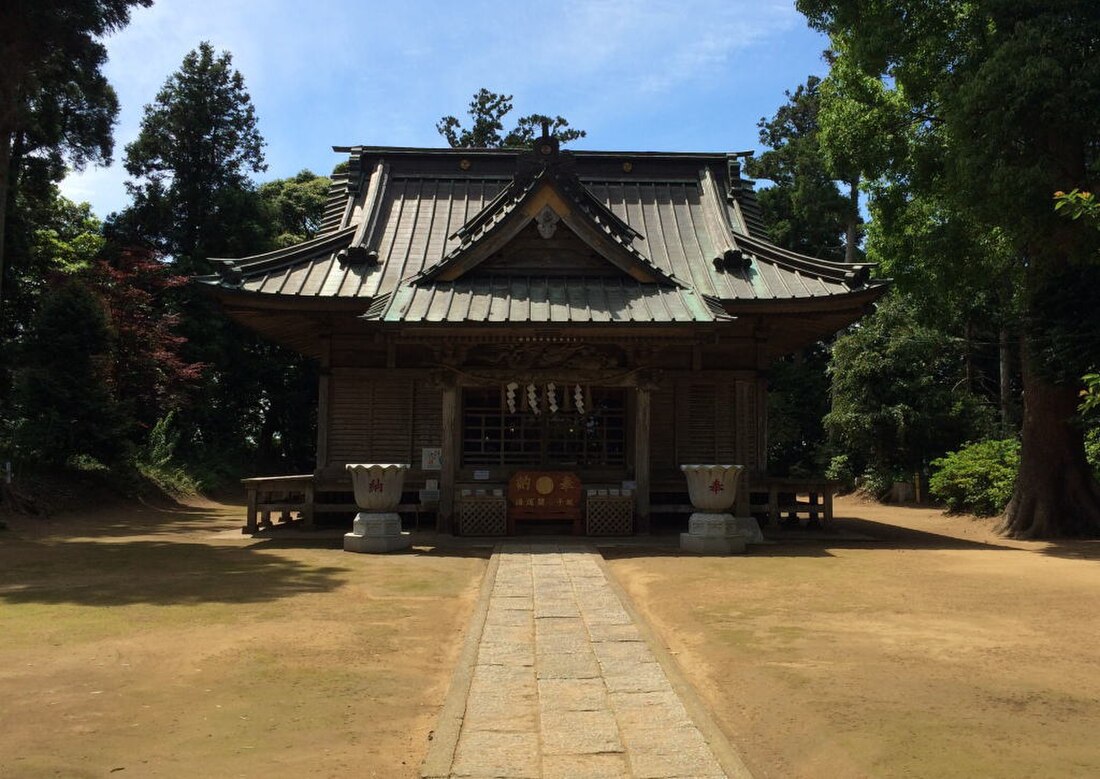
x: 641, y: 457
x: 450, y: 458
x: 324, y: 390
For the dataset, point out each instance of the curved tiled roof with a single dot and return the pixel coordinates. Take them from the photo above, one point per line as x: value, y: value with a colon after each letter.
x: 401, y: 215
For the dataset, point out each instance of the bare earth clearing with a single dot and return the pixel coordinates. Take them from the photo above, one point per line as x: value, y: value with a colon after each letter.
x: 143, y: 642
x: 164, y: 643
x: 938, y: 649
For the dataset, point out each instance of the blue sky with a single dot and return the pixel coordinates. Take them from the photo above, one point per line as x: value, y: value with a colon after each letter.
x: 690, y: 75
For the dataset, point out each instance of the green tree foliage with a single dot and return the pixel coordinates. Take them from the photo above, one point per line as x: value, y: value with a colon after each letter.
x: 64, y: 390
x: 978, y: 478
x: 295, y: 206
x: 897, y: 396
x: 55, y: 105
x: 487, y: 111
x: 193, y: 199
x: 51, y: 238
x: 1001, y: 102
x: 192, y: 159
x: 805, y: 210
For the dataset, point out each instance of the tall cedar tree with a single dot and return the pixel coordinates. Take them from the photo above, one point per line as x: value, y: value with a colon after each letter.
x: 806, y: 212
x: 487, y: 111
x: 192, y: 159
x: 1010, y: 89
x: 55, y: 104
x: 193, y: 199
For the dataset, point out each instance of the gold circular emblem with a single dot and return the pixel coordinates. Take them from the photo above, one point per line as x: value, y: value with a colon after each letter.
x: 464, y: 164
x: 544, y: 485
x: 546, y: 148
x: 627, y: 167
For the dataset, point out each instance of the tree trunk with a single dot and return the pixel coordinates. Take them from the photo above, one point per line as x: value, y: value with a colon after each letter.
x: 5, y: 179
x: 1005, y: 356
x: 1056, y: 494
x: 968, y: 355
x: 851, y: 235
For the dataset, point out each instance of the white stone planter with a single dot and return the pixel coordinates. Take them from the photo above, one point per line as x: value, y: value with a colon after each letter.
x: 712, y: 529
x: 377, y: 527
x: 377, y: 487
x: 712, y: 488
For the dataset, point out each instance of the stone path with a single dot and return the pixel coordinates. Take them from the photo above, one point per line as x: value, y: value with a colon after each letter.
x: 564, y: 685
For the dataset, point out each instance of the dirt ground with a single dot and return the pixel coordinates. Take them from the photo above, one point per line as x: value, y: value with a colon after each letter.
x: 909, y: 644
x: 138, y: 641
x: 159, y: 642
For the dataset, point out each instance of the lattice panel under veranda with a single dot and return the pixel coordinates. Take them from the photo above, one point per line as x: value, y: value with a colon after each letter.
x: 610, y: 516
x: 482, y: 516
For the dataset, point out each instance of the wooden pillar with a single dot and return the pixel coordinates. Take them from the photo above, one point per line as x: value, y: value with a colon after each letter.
x: 449, y: 466
x: 641, y: 457
x: 324, y: 390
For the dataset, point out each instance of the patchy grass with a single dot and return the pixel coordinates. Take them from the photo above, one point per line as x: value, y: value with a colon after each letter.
x: 162, y: 642
x: 938, y: 649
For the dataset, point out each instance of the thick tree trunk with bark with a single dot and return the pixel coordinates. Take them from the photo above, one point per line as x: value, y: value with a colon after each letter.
x: 1056, y: 494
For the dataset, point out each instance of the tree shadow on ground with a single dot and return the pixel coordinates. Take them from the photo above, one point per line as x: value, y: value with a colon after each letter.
x: 124, y: 519
x: 118, y: 573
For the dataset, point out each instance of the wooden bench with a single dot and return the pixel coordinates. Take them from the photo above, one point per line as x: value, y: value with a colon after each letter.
x: 781, y: 498
x: 283, y: 494
x: 286, y: 494
x: 783, y: 495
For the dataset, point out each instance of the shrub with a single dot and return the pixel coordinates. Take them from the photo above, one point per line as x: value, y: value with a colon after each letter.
x: 840, y: 469
x: 978, y: 478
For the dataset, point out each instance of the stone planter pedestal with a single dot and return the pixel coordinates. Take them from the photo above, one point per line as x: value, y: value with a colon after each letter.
x: 377, y: 526
x: 712, y: 529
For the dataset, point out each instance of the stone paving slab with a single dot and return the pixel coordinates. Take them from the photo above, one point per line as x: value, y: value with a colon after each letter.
x: 564, y: 683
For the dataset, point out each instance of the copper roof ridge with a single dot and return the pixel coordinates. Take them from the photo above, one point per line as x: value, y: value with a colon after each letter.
x: 273, y: 258
x: 516, y: 151
x: 829, y: 270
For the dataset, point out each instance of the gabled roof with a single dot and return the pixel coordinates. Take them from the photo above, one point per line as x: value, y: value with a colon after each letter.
x: 546, y: 189
x: 409, y: 228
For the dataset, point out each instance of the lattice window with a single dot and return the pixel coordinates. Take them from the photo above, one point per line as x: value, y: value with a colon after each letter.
x: 491, y: 435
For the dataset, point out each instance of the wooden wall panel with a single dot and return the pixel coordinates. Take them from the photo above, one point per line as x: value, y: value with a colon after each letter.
x: 350, y: 419
x: 427, y: 427
x: 371, y: 419
x: 699, y: 438
x: 747, y: 425
x: 662, y: 427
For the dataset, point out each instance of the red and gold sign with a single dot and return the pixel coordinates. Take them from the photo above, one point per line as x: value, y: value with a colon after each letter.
x: 544, y: 494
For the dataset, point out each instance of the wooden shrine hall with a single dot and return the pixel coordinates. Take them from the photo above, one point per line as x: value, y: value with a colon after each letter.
x: 535, y: 318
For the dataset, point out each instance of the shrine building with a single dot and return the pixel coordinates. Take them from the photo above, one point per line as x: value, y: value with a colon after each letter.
x: 494, y: 317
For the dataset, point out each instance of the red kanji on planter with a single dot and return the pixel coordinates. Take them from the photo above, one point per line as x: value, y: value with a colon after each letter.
x: 716, y: 487
x: 375, y: 485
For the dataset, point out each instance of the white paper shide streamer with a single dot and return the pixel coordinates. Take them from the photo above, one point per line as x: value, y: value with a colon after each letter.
x: 578, y: 398
x: 533, y: 399
x: 510, y: 397
x: 552, y: 398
